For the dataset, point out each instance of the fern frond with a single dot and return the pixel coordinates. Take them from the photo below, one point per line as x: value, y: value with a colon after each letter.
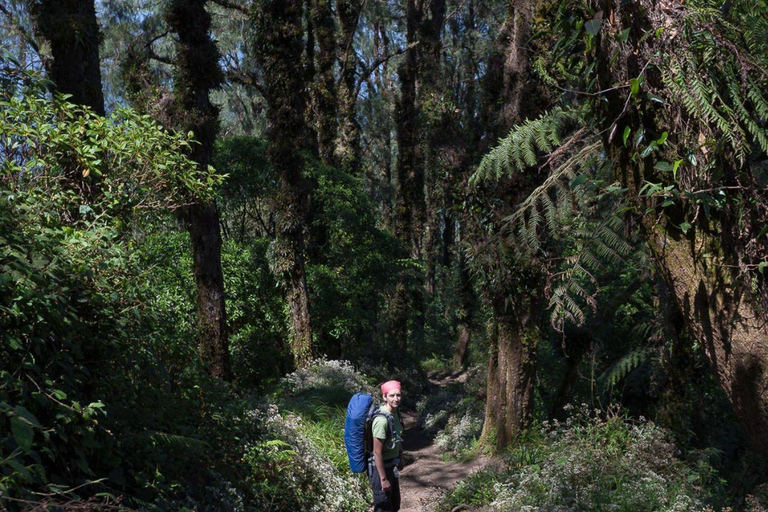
x: 522, y: 147
x: 621, y: 368
x: 177, y: 442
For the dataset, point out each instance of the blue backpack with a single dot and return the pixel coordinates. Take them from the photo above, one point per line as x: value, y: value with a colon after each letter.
x: 357, y: 430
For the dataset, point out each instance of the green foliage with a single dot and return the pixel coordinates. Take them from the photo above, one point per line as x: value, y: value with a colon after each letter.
x: 591, y: 463
x: 525, y: 144
x: 350, y: 263
x: 313, y: 402
x: 706, y: 72
x: 566, y: 212
x: 621, y: 368
x: 101, y: 389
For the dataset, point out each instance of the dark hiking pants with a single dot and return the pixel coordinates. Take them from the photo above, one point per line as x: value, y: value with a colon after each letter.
x: 385, y: 501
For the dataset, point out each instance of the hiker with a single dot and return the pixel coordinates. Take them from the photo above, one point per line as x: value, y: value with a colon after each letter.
x: 387, y: 451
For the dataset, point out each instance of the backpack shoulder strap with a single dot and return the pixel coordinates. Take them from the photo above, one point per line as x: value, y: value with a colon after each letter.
x: 390, y: 421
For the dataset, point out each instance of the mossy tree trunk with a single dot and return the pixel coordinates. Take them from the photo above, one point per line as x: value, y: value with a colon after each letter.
x: 721, y: 313
x: 279, y: 40
x: 409, y: 191
x: 514, y: 284
x: 464, y: 315
x: 718, y: 296
x: 197, y: 73
x: 324, y: 92
x: 511, y: 370
x: 348, y: 140
x: 71, y: 30
x: 439, y: 144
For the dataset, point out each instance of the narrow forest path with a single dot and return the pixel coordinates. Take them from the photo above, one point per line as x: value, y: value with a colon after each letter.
x: 426, y: 476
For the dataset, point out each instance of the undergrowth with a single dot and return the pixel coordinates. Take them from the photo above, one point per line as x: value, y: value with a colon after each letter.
x: 313, y: 409
x: 595, y: 461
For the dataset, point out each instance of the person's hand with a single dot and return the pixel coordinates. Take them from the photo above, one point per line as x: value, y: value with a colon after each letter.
x: 385, y: 485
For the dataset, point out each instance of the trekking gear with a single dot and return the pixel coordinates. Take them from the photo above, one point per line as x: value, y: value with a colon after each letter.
x: 358, y: 437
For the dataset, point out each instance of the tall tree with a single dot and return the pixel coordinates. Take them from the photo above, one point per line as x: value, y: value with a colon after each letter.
x: 437, y: 132
x: 197, y: 73
x: 709, y: 252
x: 348, y: 141
x: 72, y: 32
x: 324, y: 91
x: 684, y: 133
x: 513, y: 279
x: 279, y: 43
x: 409, y: 191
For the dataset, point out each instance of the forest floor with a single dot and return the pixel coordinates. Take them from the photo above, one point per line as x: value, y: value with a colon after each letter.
x: 426, y: 476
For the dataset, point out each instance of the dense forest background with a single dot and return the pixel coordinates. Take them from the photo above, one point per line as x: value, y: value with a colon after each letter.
x: 220, y: 218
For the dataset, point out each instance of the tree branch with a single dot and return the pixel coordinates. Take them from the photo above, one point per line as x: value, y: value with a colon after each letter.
x: 227, y: 4
x: 28, y: 38
x: 244, y: 79
x: 370, y: 69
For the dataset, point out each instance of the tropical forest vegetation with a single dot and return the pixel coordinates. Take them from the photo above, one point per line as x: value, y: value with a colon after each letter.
x: 220, y: 219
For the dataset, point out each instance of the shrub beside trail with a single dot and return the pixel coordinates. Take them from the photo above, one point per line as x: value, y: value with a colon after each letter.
x: 595, y: 461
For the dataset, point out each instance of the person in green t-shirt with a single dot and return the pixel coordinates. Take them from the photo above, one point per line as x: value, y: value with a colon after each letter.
x: 384, y: 473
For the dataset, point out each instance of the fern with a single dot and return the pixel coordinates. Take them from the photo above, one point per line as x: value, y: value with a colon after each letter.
x: 178, y: 443
x: 623, y: 367
x: 522, y: 147
x: 715, y: 70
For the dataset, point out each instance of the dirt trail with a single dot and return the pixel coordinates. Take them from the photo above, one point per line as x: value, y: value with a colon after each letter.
x: 426, y: 477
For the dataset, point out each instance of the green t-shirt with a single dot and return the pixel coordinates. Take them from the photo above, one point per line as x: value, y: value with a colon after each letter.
x: 391, y: 448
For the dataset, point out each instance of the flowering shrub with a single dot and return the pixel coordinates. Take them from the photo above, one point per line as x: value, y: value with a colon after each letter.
x: 453, y: 419
x: 460, y: 433
x: 300, y: 478
x: 599, y: 462
x: 303, y: 466
x: 322, y: 373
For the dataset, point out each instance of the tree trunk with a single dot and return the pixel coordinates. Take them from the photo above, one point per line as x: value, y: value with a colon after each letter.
x: 701, y: 267
x: 464, y: 315
x: 438, y: 142
x: 720, y: 313
x: 511, y: 373
x: 519, y: 102
x: 213, y: 338
x: 461, y: 352
x: 71, y: 29
x: 516, y: 291
x: 324, y: 94
x: 409, y: 199
x: 578, y: 342
x: 410, y: 176
x: 197, y: 73
x: 279, y: 50
x: 348, y: 141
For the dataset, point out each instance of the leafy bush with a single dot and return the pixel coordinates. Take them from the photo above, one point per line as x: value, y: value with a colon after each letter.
x: 290, y: 471
x: 314, y: 401
x: 327, y: 375
x: 600, y: 462
x: 454, y: 417
x: 350, y: 261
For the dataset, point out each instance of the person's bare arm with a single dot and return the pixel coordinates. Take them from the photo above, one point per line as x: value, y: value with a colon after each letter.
x: 378, y: 445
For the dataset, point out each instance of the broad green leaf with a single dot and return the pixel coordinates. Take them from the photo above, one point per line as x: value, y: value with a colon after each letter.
x: 26, y: 416
x: 23, y: 433
x: 623, y: 36
x: 593, y: 26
